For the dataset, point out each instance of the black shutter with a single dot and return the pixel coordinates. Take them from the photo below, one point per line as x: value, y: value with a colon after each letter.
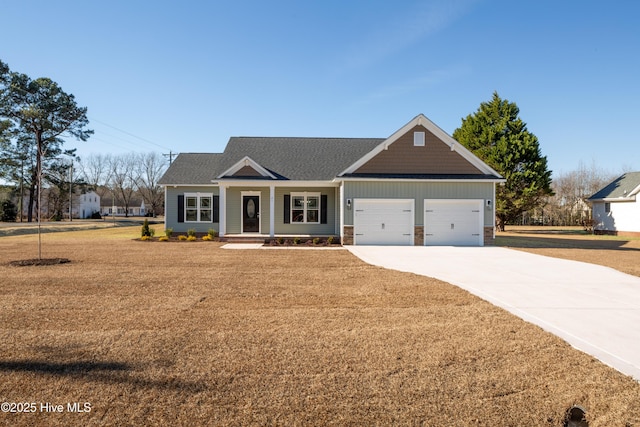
x: 287, y: 208
x: 216, y: 208
x: 181, y: 208
x: 323, y: 209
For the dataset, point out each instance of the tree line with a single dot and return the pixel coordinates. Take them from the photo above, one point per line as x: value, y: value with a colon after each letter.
x: 36, y: 115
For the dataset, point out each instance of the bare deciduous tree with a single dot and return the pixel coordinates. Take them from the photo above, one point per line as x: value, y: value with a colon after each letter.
x: 96, y: 171
x: 149, y: 170
x: 568, y: 206
x: 122, y: 180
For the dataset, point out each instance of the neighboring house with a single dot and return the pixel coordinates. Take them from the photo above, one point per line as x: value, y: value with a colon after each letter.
x: 87, y: 204
x: 616, y: 208
x: 108, y: 207
x: 417, y: 187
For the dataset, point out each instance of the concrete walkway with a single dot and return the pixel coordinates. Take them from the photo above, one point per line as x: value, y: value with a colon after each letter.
x: 596, y: 309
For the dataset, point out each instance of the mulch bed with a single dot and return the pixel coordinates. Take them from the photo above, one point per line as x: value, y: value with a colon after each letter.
x: 39, y: 261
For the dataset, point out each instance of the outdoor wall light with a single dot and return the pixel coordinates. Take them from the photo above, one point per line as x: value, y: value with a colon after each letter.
x: 488, y: 204
x: 349, y: 204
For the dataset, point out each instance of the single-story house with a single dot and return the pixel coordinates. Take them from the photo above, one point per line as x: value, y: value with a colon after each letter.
x: 109, y: 206
x: 417, y: 187
x: 616, y: 208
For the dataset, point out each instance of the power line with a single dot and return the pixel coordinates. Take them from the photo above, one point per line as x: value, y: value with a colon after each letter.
x: 113, y: 127
x: 129, y: 133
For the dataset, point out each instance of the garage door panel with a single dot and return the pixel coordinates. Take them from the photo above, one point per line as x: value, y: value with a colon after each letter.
x: 453, y: 222
x: 383, y: 221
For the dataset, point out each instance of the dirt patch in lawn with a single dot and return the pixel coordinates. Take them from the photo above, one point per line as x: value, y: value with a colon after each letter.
x: 193, y: 334
x: 573, y: 243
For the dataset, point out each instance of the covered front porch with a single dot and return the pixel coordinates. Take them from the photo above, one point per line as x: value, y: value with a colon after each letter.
x: 253, y: 210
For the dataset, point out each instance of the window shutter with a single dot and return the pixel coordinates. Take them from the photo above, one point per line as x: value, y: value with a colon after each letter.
x: 323, y: 209
x: 216, y: 208
x: 287, y: 208
x: 181, y: 208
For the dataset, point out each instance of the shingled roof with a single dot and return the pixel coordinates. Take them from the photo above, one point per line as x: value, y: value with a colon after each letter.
x: 300, y: 159
x: 623, y: 187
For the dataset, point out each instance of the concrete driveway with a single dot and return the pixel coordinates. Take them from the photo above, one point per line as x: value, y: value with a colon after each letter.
x: 596, y: 309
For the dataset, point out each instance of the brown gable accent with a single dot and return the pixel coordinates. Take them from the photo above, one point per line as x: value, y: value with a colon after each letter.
x: 401, y: 157
x: 247, y: 171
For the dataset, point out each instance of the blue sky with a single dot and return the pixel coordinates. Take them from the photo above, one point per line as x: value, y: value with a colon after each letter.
x: 185, y: 76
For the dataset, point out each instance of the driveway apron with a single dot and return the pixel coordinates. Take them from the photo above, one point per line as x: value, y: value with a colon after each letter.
x: 596, y: 309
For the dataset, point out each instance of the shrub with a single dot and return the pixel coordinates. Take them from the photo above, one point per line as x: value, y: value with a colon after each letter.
x: 145, y: 238
x: 296, y: 240
x: 281, y: 240
x: 96, y: 215
x: 168, y: 232
x: 329, y: 240
x: 182, y: 237
x: 163, y: 239
x: 207, y: 238
x: 191, y: 238
x: 316, y: 240
x: 212, y: 233
x: 145, y: 229
x: 8, y: 211
x: 191, y: 232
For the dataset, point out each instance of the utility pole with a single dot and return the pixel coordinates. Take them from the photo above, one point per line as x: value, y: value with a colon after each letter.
x: 70, y: 188
x: 170, y: 155
x: 21, y: 186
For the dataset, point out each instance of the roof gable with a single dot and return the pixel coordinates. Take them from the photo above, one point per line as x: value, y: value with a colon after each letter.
x: 623, y: 188
x: 246, y: 168
x: 441, y: 154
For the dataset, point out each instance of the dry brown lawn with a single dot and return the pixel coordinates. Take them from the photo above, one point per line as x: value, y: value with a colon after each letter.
x: 620, y: 253
x: 187, y: 333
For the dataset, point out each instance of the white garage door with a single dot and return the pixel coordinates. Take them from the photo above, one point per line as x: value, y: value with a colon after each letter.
x: 383, y: 221
x: 453, y: 222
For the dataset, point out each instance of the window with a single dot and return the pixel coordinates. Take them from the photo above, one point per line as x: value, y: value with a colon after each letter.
x: 418, y: 139
x: 305, y: 208
x: 607, y: 207
x: 198, y: 207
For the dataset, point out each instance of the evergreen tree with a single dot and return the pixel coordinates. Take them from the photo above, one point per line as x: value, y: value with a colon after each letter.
x: 500, y: 138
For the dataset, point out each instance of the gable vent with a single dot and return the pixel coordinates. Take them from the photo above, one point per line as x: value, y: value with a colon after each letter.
x: 418, y: 139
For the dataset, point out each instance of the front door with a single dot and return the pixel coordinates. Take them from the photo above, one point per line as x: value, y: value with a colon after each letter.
x: 250, y: 214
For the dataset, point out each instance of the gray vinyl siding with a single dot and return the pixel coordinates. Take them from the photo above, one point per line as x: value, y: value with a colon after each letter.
x: 171, y: 209
x: 306, y: 229
x: 417, y: 191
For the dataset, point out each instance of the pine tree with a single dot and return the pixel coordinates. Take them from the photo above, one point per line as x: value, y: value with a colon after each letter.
x: 500, y: 138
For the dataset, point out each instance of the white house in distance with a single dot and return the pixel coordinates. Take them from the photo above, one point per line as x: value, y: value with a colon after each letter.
x: 616, y: 208
x: 88, y: 204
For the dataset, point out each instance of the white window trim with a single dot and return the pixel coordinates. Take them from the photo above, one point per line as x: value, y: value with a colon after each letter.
x: 418, y: 139
x: 198, y: 196
x: 305, y: 194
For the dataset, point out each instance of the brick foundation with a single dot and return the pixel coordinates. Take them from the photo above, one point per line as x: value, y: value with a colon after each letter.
x: 418, y: 235
x: 347, y: 238
x: 489, y: 239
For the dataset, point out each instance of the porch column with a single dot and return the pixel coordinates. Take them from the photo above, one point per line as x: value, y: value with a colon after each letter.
x: 272, y: 211
x: 341, y: 207
x: 222, y: 207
